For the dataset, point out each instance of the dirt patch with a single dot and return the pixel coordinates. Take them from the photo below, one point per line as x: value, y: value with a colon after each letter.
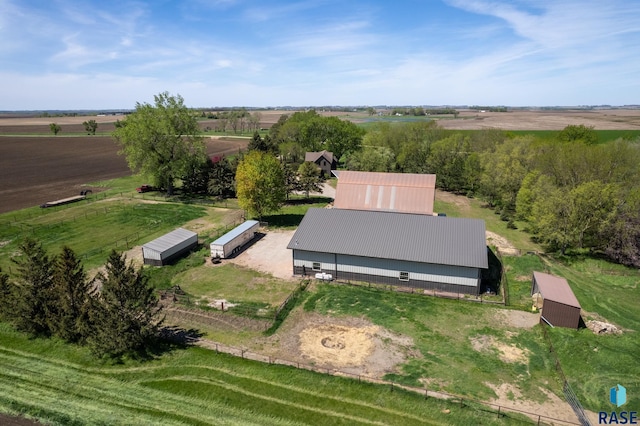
x: 517, y: 319
x: 501, y: 244
x: 507, y: 353
x: 269, y: 254
x: 462, y: 202
x: 509, y: 395
x: 352, y: 345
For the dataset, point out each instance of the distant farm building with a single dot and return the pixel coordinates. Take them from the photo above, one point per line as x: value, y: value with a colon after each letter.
x: 323, y: 159
x: 410, y: 250
x: 232, y: 241
x: 394, y: 192
x: 559, y: 306
x: 169, y: 247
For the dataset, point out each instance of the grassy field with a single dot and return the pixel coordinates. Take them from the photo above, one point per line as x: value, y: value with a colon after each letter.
x: 457, y: 206
x: 291, y: 214
x: 61, y: 384
x: 444, y: 332
x: 234, y: 283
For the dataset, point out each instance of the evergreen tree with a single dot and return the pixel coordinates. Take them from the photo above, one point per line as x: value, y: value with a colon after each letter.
x: 126, y: 315
x: 7, y: 297
x: 72, y: 291
x: 34, y: 289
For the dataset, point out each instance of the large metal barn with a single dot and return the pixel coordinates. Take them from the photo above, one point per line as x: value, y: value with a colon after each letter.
x: 412, y: 250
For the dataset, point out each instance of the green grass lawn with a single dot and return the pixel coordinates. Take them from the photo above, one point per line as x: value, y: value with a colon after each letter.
x: 62, y: 384
x: 235, y: 283
x: 443, y: 332
x: 291, y: 214
x: 476, y: 208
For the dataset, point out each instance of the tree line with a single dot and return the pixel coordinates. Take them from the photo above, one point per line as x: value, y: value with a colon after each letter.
x: 116, y: 314
x: 569, y: 191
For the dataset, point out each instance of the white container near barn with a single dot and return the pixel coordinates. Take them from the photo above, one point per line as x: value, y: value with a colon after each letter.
x: 234, y: 240
x: 324, y: 276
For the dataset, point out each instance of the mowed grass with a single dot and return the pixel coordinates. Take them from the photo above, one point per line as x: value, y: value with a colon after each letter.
x: 62, y: 384
x: 460, y: 206
x: 443, y: 333
x: 93, y: 229
x: 234, y: 283
x: 291, y: 214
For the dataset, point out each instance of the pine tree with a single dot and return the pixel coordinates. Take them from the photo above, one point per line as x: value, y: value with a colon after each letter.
x: 72, y: 291
x: 7, y: 297
x: 126, y: 316
x: 34, y: 289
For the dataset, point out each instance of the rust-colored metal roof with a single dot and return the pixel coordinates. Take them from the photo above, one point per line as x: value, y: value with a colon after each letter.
x: 555, y: 288
x: 397, y: 192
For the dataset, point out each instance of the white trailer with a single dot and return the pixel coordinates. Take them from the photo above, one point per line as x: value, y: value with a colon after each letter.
x: 232, y: 241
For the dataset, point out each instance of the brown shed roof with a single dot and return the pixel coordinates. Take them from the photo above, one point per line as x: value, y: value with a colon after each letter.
x: 314, y: 156
x: 555, y: 288
x: 398, y: 192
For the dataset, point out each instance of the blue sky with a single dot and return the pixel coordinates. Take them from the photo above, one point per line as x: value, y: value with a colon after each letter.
x: 94, y: 54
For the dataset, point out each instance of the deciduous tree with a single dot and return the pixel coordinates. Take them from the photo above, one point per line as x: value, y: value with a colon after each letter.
x: 90, y: 126
x: 55, y: 128
x: 161, y: 140
x: 309, y: 177
x: 260, y: 184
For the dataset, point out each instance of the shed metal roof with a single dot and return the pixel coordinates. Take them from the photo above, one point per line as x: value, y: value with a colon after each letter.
x: 388, y: 235
x: 170, y: 240
x: 238, y: 230
x: 555, y: 288
x: 399, y: 192
x: 314, y: 156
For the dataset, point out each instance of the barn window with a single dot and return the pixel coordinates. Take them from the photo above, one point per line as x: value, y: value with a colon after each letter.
x: 316, y: 266
x: 404, y: 276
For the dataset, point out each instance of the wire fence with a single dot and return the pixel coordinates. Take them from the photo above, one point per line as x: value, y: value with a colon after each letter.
x: 481, y: 298
x: 498, y: 410
x: 570, y: 395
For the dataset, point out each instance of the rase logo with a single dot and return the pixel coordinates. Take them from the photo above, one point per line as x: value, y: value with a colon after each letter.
x: 618, y: 397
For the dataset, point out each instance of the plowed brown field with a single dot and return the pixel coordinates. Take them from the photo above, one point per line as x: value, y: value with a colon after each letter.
x: 37, y: 169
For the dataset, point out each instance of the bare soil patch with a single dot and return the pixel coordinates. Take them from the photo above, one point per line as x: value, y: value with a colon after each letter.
x: 461, y: 202
x: 516, y: 319
x: 508, y: 395
x: 351, y: 345
x: 501, y: 244
x: 506, y: 353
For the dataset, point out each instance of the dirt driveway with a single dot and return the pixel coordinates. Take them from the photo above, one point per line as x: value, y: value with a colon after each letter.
x: 270, y: 255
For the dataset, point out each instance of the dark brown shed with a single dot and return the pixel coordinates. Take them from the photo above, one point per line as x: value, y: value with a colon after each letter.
x: 560, y: 307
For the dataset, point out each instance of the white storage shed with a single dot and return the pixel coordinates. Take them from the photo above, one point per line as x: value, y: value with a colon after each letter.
x: 169, y: 247
x: 232, y: 241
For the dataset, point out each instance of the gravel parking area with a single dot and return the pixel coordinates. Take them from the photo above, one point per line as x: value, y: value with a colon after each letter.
x: 270, y: 255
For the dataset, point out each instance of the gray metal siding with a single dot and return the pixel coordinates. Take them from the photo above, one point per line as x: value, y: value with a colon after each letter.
x: 306, y: 259
x: 387, y: 271
x: 447, y: 274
